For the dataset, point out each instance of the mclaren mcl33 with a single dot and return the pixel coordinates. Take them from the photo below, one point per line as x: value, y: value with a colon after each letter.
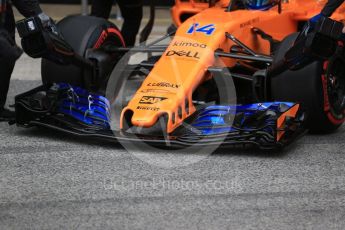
x: 228, y: 75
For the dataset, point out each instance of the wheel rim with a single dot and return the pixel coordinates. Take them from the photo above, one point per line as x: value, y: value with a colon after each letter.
x: 336, y: 87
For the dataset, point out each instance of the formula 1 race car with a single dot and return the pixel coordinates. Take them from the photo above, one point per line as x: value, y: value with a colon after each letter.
x: 229, y: 75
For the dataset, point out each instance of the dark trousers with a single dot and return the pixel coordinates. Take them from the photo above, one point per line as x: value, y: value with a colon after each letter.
x: 9, y: 52
x: 132, y: 13
x: 7, y: 37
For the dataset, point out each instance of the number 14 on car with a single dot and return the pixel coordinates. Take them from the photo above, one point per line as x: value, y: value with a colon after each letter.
x: 207, y: 29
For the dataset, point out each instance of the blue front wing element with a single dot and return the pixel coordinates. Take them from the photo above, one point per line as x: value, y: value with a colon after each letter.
x: 90, y: 109
x: 247, y: 118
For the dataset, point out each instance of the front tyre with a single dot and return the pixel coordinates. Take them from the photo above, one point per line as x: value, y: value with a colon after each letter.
x: 82, y: 33
x: 319, y: 87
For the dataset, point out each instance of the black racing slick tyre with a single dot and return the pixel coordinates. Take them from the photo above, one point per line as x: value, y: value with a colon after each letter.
x: 81, y: 33
x: 319, y: 87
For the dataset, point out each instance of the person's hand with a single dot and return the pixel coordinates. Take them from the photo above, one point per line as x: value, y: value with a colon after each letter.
x: 311, y: 23
x: 48, y: 23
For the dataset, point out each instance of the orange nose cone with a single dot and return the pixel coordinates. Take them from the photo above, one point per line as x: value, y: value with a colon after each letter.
x: 142, y: 118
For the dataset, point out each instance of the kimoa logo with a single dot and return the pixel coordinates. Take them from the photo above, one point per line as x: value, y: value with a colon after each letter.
x: 188, y: 44
x: 164, y: 84
x: 151, y: 100
x: 182, y: 53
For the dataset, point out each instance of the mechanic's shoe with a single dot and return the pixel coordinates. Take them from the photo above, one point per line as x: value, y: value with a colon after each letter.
x: 6, y: 115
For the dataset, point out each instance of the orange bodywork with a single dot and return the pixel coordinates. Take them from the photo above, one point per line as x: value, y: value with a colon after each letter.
x: 168, y: 88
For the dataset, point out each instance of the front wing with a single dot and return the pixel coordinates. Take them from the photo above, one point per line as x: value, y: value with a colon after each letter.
x: 73, y: 110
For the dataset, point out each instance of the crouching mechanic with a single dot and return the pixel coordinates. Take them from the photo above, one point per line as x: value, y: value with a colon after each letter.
x: 9, y: 51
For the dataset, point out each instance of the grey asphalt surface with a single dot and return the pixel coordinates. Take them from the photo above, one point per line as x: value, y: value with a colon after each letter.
x: 49, y: 180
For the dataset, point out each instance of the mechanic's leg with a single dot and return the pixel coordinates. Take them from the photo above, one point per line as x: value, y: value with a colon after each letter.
x: 102, y: 8
x: 132, y: 13
x: 6, y: 69
x: 9, y: 53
